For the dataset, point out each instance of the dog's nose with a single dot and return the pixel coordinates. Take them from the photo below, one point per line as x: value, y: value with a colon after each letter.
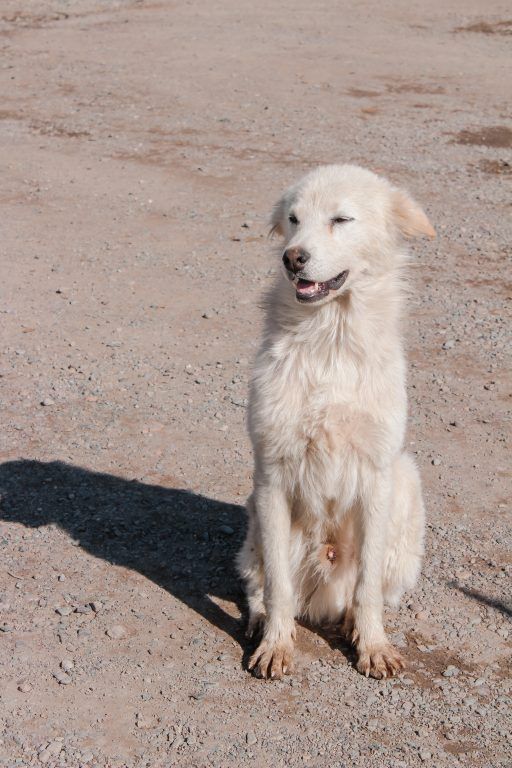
x: 295, y: 258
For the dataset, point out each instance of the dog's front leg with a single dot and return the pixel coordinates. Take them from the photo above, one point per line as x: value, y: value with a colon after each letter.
x: 273, y: 657
x: 376, y: 656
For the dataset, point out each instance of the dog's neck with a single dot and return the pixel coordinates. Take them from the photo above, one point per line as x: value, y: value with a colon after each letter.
x: 364, y: 322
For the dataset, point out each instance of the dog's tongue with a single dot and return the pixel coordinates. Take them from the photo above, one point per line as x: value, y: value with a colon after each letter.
x: 306, y: 287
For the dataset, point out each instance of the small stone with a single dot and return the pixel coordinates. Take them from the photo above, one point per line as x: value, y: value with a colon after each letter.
x: 177, y: 742
x: 425, y: 755
x: 145, y: 721
x: 226, y: 529
x: 96, y: 605
x: 198, y: 695
x: 47, y: 401
x: 54, y: 747
x: 6, y: 628
x: 250, y: 738
x: 64, y: 610
x: 67, y: 665
x: 62, y: 677
x: 86, y: 757
x: 61, y: 577
x: 422, y: 616
x: 240, y: 401
x: 116, y: 632
x: 84, y: 608
x: 436, y: 462
x: 448, y: 344
x: 451, y: 671
x: 25, y: 687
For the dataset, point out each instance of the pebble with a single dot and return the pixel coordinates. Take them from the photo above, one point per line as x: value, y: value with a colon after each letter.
x: 61, y: 577
x: 145, y: 721
x: 62, y: 677
x: 240, y: 401
x: 448, y: 344
x: 84, y: 608
x: 67, y: 665
x: 64, y: 610
x: 116, y: 632
x: 52, y: 750
x: 250, y: 738
x: 451, y: 671
x: 226, y: 529
x: 6, y: 628
x: 96, y: 605
x: 47, y: 401
x: 436, y: 462
x: 25, y: 687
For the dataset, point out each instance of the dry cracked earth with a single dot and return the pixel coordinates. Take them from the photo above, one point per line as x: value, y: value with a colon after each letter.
x: 142, y: 145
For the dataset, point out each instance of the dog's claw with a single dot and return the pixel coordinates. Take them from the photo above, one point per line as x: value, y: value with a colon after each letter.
x: 271, y: 661
x: 380, y: 663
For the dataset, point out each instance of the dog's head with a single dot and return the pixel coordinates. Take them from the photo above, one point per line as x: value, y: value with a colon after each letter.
x: 339, y: 222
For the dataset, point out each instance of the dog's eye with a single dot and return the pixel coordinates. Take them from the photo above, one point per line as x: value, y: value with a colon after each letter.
x: 293, y: 219
x: 340, y: 219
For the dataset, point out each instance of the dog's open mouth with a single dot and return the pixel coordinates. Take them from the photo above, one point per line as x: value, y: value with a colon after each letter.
x: 309, y: 290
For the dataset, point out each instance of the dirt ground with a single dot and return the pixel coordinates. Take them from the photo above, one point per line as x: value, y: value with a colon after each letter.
x: 142, y: 145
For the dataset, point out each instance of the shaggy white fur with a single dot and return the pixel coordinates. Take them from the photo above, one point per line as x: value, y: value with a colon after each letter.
x: 336, y: 517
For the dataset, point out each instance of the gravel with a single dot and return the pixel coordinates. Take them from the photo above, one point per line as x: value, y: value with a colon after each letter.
x: 128, y: 179
x: 116, y: 632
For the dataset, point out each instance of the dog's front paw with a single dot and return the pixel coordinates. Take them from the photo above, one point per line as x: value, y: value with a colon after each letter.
x: 379, y: 661
x: 272, y: 659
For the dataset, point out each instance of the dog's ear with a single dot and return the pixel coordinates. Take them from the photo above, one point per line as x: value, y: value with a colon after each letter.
x: 410, y: 219
x: 276, y: 218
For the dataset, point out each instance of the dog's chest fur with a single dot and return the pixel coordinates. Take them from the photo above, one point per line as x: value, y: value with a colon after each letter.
x: 318, y: 409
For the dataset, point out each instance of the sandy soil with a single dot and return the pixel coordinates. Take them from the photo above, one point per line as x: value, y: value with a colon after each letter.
x: 142, y: 145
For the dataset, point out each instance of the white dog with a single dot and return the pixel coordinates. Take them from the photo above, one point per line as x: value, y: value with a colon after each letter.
x: 336, y: 517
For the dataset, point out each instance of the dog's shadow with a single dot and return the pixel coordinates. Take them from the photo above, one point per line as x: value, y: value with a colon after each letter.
x: 182, y: 541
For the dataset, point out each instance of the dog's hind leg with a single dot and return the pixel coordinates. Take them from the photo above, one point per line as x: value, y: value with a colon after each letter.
x: 250, y: 568
x: 404, y: 552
